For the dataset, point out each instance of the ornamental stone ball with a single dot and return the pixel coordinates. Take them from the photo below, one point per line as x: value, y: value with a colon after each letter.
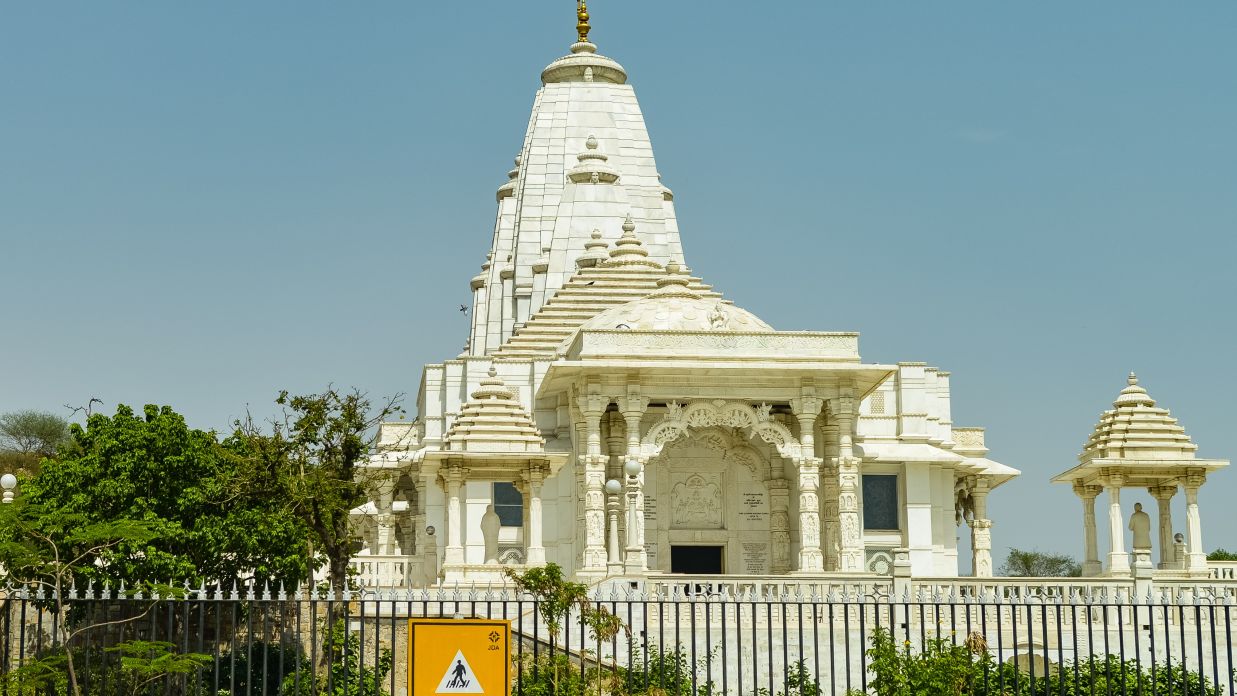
x: 8, y: 482
x: 1140, y: 525
x: 632, y: 468
x: 613, y: 487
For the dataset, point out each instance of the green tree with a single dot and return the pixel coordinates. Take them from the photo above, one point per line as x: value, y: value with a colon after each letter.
x: 556, y: 597
x: 28, y: 436
x: 1222, y: 555
x: 207, y: 517
x: 33, y: 432
x: 1037, y: 564
x: 317, y: 450
x: 47, y: 549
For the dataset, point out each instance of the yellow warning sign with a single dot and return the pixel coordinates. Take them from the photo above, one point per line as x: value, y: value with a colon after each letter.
x: 459, y: 656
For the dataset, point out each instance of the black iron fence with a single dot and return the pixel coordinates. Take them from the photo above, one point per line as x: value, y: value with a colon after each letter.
x: 690, y: 639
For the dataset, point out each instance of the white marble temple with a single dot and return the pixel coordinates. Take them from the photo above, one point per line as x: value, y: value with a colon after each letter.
x: 596, y: 355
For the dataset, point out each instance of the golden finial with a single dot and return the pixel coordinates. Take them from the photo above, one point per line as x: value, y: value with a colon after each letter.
x: 582, y: 26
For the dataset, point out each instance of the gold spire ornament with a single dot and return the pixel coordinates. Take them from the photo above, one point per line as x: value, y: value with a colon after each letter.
x: 582, y: 26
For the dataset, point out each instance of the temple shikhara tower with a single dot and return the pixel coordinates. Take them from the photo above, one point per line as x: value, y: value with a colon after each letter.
x: 616, y: 414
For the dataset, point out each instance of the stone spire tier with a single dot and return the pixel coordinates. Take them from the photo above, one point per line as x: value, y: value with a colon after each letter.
x: 1136, y: 429
x: 493, y: 421
x: 586, y: 165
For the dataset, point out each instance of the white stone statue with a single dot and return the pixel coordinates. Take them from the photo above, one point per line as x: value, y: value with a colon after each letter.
x: 490, y: 525
x: 1140, y: 525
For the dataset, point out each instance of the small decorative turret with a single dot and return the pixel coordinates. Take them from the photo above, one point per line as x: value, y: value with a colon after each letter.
x: 508, y: 188
x: 594, y: 251
x: 629, y: 250
x: 1133, y: 394
x: 592, y: 167
x: 674, y: 283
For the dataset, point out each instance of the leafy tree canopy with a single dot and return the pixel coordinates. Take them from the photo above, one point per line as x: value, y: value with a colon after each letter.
x: 208, y: 512
x: 1222, y: 555
x: 1037, y: 564
x: 318, y: 449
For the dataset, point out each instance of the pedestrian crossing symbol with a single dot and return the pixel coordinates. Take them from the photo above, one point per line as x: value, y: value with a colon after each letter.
x: 459, y: 656
x: 459, y: 679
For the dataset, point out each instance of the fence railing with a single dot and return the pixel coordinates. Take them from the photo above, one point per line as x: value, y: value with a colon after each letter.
x: 678, y: 638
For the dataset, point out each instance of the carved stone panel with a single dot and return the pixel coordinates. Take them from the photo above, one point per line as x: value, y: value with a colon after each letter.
x: 696, y: 502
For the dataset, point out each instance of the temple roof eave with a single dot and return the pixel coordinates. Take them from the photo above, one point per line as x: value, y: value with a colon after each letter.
x: 996, y: 472
x: 667, y: 375
x: 1137, y: 472
x: 481, y: 464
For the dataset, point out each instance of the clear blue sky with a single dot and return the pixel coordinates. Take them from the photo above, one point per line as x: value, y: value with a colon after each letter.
x: 202, y: 204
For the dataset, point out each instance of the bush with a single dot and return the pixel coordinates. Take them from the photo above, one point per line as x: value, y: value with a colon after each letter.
x: 346, y: 674
x: 946, y: 668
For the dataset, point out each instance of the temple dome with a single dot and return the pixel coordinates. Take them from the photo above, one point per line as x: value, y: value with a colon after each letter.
x: 675, y: 307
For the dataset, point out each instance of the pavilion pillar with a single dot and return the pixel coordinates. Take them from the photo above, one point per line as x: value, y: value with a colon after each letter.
x: 850, y: 554
x: 1163, y: 498
x: 635, y: 560
x: 806, y: 408
x: 1118, y: 559
x: 981, y: 530
x: 383, y: 490
x: 1195, y: 557
x: 455, y: 539
x: 1091, y: 555
x: 593, y: 464
x: 534, y: 553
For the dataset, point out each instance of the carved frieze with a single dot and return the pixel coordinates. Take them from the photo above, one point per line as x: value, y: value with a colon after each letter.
x: 696, y: 502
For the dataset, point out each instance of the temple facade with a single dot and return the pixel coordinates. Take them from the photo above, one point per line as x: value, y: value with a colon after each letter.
x: 617, y: 415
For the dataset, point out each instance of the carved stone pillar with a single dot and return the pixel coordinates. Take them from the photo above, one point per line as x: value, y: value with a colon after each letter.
x: 593, y: 462
x: 1091, y: 555
x: 806, y: 408
x: 1118, y: 559
x: 635, y: 560
x: 534, y: 553
x: 851, y: 547
x: 1195, y: 557
x: 454, y: 476
x: 981, y: 548
x: 616, y: 455
x: 779, y: 519
x: 1163, y: 498
x: 830, y: 540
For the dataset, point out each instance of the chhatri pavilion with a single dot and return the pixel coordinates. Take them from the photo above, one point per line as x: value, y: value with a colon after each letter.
x: 617, y: 415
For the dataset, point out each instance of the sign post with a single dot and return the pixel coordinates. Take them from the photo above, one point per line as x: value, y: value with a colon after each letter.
x: 459, y: 656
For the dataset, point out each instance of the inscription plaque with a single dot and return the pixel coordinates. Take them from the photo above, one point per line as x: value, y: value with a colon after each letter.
x: 755, y: 558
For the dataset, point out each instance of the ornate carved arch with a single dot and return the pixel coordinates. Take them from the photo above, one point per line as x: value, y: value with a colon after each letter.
x: 756, y: 420
x: 729, y: 449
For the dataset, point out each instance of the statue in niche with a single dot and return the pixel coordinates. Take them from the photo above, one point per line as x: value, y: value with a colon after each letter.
x: 490, y: 524
x: 1140, y: 525
x: 964, y: 504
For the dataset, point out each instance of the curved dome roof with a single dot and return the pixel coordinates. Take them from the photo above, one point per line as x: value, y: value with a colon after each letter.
x: 674, y: 307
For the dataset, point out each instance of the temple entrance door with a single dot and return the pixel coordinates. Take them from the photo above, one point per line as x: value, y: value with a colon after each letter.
x: 697, y: 560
